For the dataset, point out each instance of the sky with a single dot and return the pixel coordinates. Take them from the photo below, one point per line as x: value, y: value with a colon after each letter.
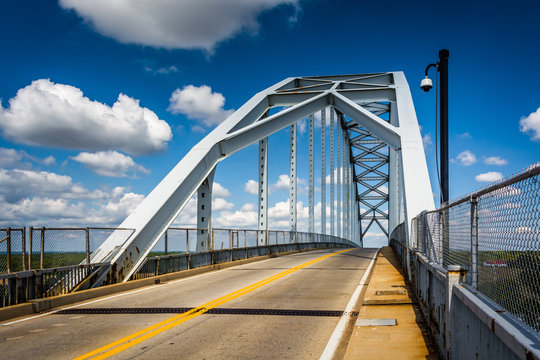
x: 100, y: 99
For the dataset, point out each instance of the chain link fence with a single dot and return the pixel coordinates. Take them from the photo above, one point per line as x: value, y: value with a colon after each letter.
x: 45, y: 248
x: 494, y: 235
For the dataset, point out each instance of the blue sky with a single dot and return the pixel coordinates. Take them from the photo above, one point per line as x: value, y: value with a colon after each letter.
x: 79, y: 148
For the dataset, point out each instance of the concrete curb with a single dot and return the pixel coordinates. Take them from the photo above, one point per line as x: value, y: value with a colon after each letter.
x: 40, y: 305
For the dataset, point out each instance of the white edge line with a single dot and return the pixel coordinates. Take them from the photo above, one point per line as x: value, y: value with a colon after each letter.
x: 339, y: 331
x: 129, y: 293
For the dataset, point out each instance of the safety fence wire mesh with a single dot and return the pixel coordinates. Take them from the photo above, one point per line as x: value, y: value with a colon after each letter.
x: 509, y: 248
x: 12, y: 243
x: 507, y: 215
x: 456, y: 225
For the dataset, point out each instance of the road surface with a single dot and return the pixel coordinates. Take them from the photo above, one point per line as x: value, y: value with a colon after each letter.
x: 281, y: 308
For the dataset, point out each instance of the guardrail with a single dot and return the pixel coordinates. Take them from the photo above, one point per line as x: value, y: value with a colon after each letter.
x: 475, y: 265
x: 22, y: 286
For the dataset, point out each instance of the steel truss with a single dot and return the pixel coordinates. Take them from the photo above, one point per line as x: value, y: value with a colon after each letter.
x: 359, y: 101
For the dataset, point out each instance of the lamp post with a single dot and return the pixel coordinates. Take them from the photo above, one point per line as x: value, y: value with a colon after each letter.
x: 426, y: 85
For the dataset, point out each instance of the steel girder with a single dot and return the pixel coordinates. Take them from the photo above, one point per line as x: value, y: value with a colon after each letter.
x: 356, y: 96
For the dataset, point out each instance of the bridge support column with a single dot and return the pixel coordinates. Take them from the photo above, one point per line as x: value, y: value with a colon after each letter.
x: 204, y: 213
x: 292, y: 182
x: 311, y: 226
x: 332, y: 169
x: 323, y: 171
x: 262, y: 234
x: 339, y: 183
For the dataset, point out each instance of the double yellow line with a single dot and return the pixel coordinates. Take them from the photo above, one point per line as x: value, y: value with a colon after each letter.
x: 151, y: 331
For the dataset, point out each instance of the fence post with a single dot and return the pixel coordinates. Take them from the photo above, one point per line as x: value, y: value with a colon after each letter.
x: 87, y: 238
x: 8, y: 251
x: 23, y: 247
x: 474, y: 243
x: 30, y: 238
x: 166, y: 242
x: 42, y: 251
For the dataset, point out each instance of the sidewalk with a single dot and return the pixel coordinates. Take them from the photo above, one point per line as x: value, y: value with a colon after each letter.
x: 389, y: 325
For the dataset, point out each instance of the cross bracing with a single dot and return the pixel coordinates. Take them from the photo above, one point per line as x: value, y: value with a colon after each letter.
x: 361, y: 103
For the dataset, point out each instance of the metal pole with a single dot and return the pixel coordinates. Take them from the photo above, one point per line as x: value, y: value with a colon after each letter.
x: 30, y: 235
x: 474, y: 243
x: 24, y: 248
x: 166, y: 242
x: 8, y: 250
x: 87, y: 233
x: 42, y: 254
x: 443, y: 69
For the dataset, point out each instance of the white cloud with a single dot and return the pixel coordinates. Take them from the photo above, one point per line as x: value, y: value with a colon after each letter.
x: 251, y: 187
x: 489, y: 177
x: 219, y: 191
x: 174, y: 24
x: 56, y: 115
x: 162, y: 70
x: 13, y: 158
x: 466, y: 158
x: 199, y: 103
x: 240, y: 218
x: 110, y: 163
x: 248, y: 207
x: 495, y: 160
x: 531, y: 125
x: 282, y: 183
x: 219, y: 204
x: 465, y: 135
x: 426, y: 141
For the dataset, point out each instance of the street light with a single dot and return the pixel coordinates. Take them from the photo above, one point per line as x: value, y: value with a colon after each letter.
x: 426, y: 85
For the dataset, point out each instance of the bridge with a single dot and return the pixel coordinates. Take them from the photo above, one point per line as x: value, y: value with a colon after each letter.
x: 456, y: 282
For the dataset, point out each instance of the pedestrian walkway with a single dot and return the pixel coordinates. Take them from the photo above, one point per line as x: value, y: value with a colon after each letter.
x: 389, y: 325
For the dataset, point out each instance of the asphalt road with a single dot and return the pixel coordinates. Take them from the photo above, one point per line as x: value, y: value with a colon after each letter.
x: 278, y: 308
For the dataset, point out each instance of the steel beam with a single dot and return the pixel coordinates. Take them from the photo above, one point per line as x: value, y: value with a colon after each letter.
x: 311, y: 226
x: 339, y: 173
x: 323, y: 171
x: 292, y: 180
x: 332, y: 170
x: 204, y: 213
x: 262, y: 234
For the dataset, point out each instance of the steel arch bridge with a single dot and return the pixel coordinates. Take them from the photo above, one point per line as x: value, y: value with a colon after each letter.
x: 384, y: 179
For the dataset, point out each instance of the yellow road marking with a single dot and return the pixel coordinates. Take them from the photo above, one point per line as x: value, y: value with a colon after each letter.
x: 144, y: 334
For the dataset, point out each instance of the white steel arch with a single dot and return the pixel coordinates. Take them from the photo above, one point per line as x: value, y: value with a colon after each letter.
x: 350, y: 95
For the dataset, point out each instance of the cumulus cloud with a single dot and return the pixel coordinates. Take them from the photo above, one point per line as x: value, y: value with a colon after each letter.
x: 466, y: 158
x: 42, y: 198
x: 219, y: 190
x: 531, y: 125
x: 199, y: 103
x: 174, y: 24
x: 489, y: 176
x: 465, y: 135
x: 16, y: 158
x: 56, y: 115
x: 110, y: 163
x: 495, y: 160
x: 251, y: 187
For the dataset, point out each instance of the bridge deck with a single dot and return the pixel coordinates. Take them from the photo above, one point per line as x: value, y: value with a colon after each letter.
x: 287, y: 307
x: 387, y: 297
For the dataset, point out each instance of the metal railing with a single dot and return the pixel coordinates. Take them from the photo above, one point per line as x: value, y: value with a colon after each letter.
x: 22, y: 286
x: 494, y: 235
x: 24, y: 249
x: 176, y: 250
